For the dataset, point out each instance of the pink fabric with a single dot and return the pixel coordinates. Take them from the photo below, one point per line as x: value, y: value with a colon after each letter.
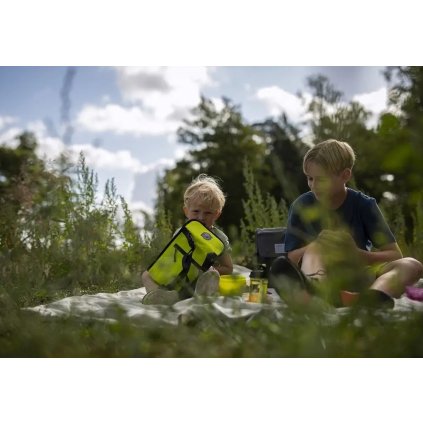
x: 414, y: 293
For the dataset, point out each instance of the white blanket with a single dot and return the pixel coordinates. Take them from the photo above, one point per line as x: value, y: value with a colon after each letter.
x: 128, y: 303
x: 110, y: 307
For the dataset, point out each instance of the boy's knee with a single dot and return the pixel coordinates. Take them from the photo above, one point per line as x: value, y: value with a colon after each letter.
x: 408, y: 266
x: 415, y: 266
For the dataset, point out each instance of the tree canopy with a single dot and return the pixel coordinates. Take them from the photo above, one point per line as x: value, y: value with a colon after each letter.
x: 389, y: 155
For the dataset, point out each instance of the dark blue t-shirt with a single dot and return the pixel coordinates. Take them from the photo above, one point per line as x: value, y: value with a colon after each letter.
x: 359, y: 213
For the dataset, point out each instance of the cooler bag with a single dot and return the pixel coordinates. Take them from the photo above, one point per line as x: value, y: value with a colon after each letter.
x: 192, y: 249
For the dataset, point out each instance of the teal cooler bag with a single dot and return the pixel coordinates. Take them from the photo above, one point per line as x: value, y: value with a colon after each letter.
x: 192, y: 249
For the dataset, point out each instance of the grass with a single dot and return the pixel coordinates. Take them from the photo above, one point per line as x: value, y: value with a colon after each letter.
x: 91, y: 246
x: 301, y: 333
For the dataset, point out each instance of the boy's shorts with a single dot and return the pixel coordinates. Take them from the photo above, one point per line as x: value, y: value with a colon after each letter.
x: 332, y: 293
x: 376, y: 269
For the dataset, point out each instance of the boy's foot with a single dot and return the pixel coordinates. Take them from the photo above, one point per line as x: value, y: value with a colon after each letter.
x: 288, y: 280
x: 160, y: 297
x: 207, y: 284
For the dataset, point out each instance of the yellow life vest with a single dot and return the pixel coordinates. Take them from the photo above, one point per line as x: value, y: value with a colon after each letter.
x: 192, y: 249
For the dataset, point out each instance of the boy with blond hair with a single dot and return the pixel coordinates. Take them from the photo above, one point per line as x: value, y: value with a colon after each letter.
x: 203, y: 201
x: 337, y: 233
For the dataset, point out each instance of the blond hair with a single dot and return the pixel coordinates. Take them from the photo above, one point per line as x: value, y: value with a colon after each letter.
x: 205, y: 190
x: 332, y: 155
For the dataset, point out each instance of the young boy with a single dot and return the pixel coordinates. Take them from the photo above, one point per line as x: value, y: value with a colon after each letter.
x: 337, y: 233
x: 204, y: 201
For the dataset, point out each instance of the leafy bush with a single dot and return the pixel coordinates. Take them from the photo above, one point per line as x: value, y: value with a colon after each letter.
x: 70, y: 243
x: 260, y: 211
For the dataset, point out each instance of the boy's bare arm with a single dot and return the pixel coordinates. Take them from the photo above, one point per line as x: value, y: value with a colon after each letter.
x: 387, y: 253
x: 296, y: 255
x: 224, y: 264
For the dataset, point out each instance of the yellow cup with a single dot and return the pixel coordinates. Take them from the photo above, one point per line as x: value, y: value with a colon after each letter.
x: 232, y: 284
x: 258, y: 290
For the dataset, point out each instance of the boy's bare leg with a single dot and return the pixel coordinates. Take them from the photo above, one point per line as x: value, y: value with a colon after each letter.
x: 155, y: 294
x: 207, y: 283
x: 398, y: 274
x: 149, y: 284
x: 312, y: 264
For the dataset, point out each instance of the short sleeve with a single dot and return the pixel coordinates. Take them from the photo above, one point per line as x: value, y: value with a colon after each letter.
x: 298, y: 233
x: 377, y: 229
x: 222, y: 236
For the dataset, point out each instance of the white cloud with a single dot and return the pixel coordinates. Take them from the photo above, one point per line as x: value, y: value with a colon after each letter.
x: 6, y: 120
x: 101, y: 158
x: 158, y: 98
x: 121, y: 120
x: 8, y: 137
x: 162, y: 89
x: 181, y: 151
x: 136, y: 207
x: 278, y: 100
x: 50, y: 148
x: 375, y: 101
x: 122, y: 165
x: 218, y: 103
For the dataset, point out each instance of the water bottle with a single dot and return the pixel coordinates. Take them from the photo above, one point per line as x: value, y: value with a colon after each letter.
x: 258, y: 286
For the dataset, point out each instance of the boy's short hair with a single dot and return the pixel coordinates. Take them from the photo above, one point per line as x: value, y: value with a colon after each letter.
x: 332, y: 155
x: 205, y: 190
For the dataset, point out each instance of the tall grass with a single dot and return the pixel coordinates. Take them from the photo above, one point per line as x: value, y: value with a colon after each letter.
x: 260, y: 211
x: 71, y: 242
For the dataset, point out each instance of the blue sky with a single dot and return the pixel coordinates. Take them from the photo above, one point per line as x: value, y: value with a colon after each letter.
x: 124, y: 119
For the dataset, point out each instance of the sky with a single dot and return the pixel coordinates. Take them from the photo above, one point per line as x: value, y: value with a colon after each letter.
x: 124, y: 119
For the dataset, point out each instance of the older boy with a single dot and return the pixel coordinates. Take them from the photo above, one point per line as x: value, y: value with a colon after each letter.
x: 204, y: 201
x: 337, y: 233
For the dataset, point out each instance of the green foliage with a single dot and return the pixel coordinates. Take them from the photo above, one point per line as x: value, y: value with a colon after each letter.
x: 156, y: 234
x: 283, y: 158
x: 260, y: 211
x: 58, y: 239
x: 219, y: 142
x: 300, y: 333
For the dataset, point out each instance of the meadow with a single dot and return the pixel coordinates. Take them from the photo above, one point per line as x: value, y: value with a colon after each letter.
x: 74, y: 244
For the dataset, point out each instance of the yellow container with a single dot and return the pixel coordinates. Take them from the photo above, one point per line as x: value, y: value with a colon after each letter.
x: 232, y: 284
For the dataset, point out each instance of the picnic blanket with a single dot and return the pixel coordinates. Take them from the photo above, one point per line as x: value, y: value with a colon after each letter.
x: 112, y: 306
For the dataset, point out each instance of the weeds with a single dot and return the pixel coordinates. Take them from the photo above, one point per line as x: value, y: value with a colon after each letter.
x: 65, y: 241
x: 261, y: 211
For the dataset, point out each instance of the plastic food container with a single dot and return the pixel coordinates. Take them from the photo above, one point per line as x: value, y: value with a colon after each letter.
x: 258, y: 287
x: 232, y: 284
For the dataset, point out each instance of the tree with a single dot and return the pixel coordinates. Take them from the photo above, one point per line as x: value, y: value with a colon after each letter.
x: 220, y: 142
x: 284, y: 157
x: 25, y: 186
x: 390, y: 155
x: 403, y: 128
x: 333, y: 118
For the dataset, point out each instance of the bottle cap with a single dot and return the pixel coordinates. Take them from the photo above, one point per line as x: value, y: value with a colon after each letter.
x: 257, y: 273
